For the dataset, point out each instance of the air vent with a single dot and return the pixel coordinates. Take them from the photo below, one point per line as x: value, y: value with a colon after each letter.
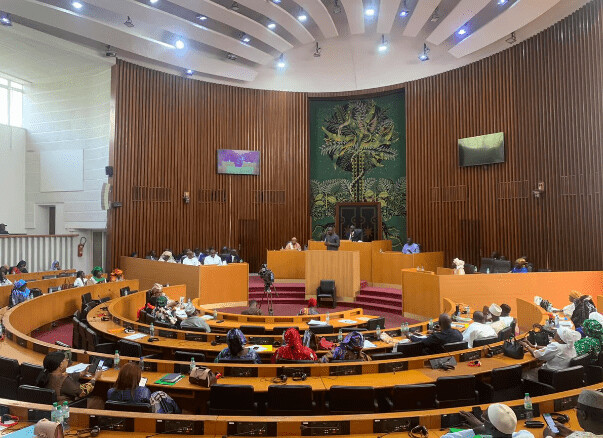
x: 211, y: 196
x: 573, y: 185
x: 512, y: 190
x: 151, y: 194
x: 454, y: 194
x: 269, y: 197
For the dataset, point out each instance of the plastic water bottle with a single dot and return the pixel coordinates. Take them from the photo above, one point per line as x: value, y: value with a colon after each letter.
x: 378, y: 332
x: 430, y: 325
x: 152, y: 330
x: 59, y: 415
x: 327, y: 319
x: 487, y: 270
x: 116, y: 360
x: 141, y: 363
x: 192, y: 365
x: 65, y: 416
x: 527, y: 406
x: 189, y: 301
x: 556, y: 321
x: 181, y: 301
x: 215, y: 314
x: 53, y: 412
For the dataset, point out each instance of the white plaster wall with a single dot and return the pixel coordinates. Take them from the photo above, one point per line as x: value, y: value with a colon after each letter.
x: 12, y: 178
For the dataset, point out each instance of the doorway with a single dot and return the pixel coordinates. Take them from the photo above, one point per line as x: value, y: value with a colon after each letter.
x: 250, y: 243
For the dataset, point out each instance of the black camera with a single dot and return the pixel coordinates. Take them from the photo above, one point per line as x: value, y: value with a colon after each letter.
x: 267, y: 275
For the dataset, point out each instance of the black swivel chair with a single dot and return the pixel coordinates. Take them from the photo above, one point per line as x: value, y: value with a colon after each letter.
x: 412, y: 398
x: 281, y: 330
x: 127, y: 406
x: 29, y: 373
x: 505, y: 384
x: 231, y: 400
x: 10, y: 378
x: 94, y: 343
x: 75, y: 334
x: 410, y: 349
x: 253, y: 329
x: 290, y: 400
x: 485, y: 341
x: 33, y: 394
x: 326, y: 292
x: 322, y: 329
x: 387, y: 356
x: 456, y: 391
x: 372, y: 324
x: 345, y: 400
x: 185, y: 356
x: 35, y: 292
x: 455, y: 346
x: 506, y: 333
x: 555, y: 381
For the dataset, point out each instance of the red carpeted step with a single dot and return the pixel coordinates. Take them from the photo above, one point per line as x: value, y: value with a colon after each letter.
x: 378, y: 308
x: 382, y: 294
x: 361, y: 299
x: 281, y: 294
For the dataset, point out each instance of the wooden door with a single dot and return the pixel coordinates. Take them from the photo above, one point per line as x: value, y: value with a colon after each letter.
x: 250, y: 243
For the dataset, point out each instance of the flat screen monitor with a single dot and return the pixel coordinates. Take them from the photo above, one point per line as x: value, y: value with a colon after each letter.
x: 483, y: 149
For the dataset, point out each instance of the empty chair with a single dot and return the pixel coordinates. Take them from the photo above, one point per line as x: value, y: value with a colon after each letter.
x: 75, y: 334
x: 486, y: 265
x: 456, y: 391
x: 387, y: 356
x: 86, y: 298
x: 33, y: 394
x: 111, y: 405
x: 410, y: 349
x: 162, y: 324
x: 231, y: 400
x: 124, y: 291
x: 129, y: 348
x: 455, y: 346
x: 285, y: 361
x: 9, y: 388
x: 322, y: 329
x: 81, y: 330
x: 485, y: 341
x: 372, y: 324
x: 561, y: 380
x: 185, y: 356
x: 235, y: 360
x: 505, y: 384
x: 506, y: 333
x: 290, y: 400
x: 94, y: 343
x: 253, y: 329
x: 326, y: 292
x: 9, y: 378
x: 29, y: 373
x: 583, y: 360
x: 351, y: 400
x: 281, y: 330
x: 35, y: 292
x: 412, y: 397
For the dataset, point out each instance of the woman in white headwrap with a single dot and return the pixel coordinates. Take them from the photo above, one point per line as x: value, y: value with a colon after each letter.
x: 166, y: 256
x: 558, y: 354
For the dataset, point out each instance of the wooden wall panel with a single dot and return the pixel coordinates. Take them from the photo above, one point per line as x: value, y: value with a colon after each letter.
x: 545, y: 93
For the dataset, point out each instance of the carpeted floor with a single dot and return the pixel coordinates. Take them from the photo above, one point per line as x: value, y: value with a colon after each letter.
x: 62, y: 332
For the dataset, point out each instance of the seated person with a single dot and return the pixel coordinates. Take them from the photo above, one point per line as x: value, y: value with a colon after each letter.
x: 349, y: 349
x: 354, y: 235
x: 97, y: 276
x: 225, y: 255
x: 193, y: 319
x: 253, y: 309
x: 21, y: 268
x: 134, y: 255
x: 520, y: 267
x: 55, y: 266
x: 80, y: 279
x: 151, y: 255
x: 212, y: 259
x: 293, y: 349
x: 234, y: 256
x: 592, y: 343
x: 584, y: 306
x: 589, y: 412
x: 167, y: 257
x: 557, y: 355
x: 116, y: 275
x: 569, y: 309
x: 3, y: 280
x: 499, y: 421
x: 432, y: 344
x: 496, y: 255
x: 497, y: 323
x: 505, y: 314
x: 67, y: 387
x: 410, y: 247
x: 311, y: 309
x: 19, y: 293
x: 235, y: 339
x: 156, y: 292
x: 162, y: 313
x: 478, y: 329
x: 293, y: 245
x: 190, y: 259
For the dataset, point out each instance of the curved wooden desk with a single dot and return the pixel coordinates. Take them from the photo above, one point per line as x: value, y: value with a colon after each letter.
x: 33, y: 276
x: 43, y: 285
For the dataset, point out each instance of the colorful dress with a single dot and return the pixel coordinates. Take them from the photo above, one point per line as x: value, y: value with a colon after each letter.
x: 593, y: 342
x: 294, y: 349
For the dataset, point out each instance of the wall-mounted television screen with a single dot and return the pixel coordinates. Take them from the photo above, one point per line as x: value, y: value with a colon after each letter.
x: 483, y: 149
x: 237, y: 162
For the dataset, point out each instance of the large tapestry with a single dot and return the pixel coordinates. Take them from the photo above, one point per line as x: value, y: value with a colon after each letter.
x: 358, y: 154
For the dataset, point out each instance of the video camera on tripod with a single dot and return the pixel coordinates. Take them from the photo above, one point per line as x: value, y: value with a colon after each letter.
x: 268, y: 277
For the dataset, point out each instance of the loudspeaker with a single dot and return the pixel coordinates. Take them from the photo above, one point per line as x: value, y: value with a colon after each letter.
x: 105, y: 191
x: 109, y: 171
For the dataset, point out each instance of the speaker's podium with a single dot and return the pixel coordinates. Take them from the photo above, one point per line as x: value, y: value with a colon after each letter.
x: 341, y: 266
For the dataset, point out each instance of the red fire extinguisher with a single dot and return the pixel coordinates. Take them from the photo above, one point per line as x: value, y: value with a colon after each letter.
x: 80, y: 247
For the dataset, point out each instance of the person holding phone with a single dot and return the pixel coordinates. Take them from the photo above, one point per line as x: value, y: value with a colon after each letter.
x: 127, y: 388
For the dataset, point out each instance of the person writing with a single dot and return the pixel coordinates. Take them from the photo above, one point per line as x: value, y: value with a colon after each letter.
x: 331, y: 240
x: 557, y: 355
x: 293, y: 245
x: 410, y: 247
x: 478, y: 329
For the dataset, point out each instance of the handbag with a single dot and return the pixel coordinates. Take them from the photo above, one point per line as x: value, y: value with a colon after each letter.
x: 513, y: 349
x: 540, y: 338
x: 202, y: 376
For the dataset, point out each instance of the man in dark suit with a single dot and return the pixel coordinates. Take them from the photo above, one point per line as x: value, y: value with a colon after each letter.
x: 354, y: 235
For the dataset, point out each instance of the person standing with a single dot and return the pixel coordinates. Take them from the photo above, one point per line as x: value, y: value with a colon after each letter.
x: 3, y: 229
x: 331, y: 240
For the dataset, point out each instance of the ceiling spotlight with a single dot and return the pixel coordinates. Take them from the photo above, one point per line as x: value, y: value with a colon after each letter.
x: 423, y: 55
x: 5, y: 19
x: 462, y: 31
x: 110, y: 53
x: 502, y: 2
x: 77, y: 5
x: 234, y: 6
x: 231, y: 56
x: 369, y: 12
x: 384, y: 44
x: 404, y: 12
x: 189, y: 72
x: 153, y: 1
x: 317, y: 51
x: 276, y: 1
x: 129, y: 22
x: 281, y: 62
x: 512, y: 38
x: 245, y: 38
x: 336, y: 7
x: 179, y: 44
x: 271, y: 25
x: 435, y: 16
x: 302, y: 16
x: 201, y: 17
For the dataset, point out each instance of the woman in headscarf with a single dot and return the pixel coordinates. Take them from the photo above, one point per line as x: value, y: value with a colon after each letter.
x: 558, y: 354
x: 569, y: 309
x: 97, y: 276
x: 294, y: 349
x: 235, y: 339
x: 311, y: 309
x: 584, y: 307
x: 67, y: 386
x: 55, y: 266
x: 21, y: 268
x: 349, y: 349
x: 19, y: 293
x: 593, y: 342
x: 80, y: 279
x: 116, y: 275
x: 162, y: 313
x: 166, y: 256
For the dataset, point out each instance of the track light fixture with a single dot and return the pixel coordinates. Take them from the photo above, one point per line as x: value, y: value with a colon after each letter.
x: 245, y: 38
x: 234, y: 6
x: 404, y: 12
x: 5, y: 19
x: 77, y: 5
x: 317, y: 51
x: 271, y: 25
x: 189, y: 72
x: 110, y: 53
x: 384, y: 44
x: 276, y: 1
x: 231, y: 56
x: 201, y: 17
x: 336, y: 7
x: 302, y: 16
x: 281, y: 62
x: 435, y: 16
x: 179, y: 44
x: 512, y: 38
x: 423, y: 56
x: 129, y: 22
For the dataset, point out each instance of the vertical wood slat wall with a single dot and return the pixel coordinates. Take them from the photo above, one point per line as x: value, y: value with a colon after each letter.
x: 545, y: 94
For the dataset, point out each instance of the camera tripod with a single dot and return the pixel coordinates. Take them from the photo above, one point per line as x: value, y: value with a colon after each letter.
x: 269, y: 288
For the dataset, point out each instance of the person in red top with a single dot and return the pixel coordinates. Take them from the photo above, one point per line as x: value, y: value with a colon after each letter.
x: 293, y: 350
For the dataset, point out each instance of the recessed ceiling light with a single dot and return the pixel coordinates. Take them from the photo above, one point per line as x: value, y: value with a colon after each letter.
x: 462, y: 31
x: 271, y: 25
x: 201, y: 17
x: 189, y: 72
x: 281, y: 62
x: 336, y: 7
x: 245, y: 39
x: 369, y: 12
x: 129, y: 22
x: 502, y: 2
x: 276, y: 1
x: 302, y: 16
x: 384, y: 45
x: 5, y: 19
x: 234, y: 6
x: 179, y: 44
x: 404, y: 12
x: 423, y: 55
x: 153, y: 1
x: 77, y: 5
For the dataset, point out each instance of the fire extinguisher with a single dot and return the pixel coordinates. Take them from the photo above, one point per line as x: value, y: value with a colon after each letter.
x: 80, y: 247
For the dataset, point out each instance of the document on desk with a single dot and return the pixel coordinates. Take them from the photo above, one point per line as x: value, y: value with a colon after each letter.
x: 207, y: 317
x: 348, y: 321
x: 363, y: 318
x: 135, y: 336
x: 315, y: 322
x: 368, y: 344
x: 261, y: 348
x: 77, y: 368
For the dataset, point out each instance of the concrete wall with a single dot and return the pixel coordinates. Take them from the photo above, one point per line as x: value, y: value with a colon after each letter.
x: 12, y: 178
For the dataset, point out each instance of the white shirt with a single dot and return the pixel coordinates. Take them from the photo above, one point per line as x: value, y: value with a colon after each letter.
x: 569, y: 309
x: 477, y: 330
x: 215, y: 260
x: 507, y: 319
x: 557, y: 356
x: 469, y: 433
x: 6, y: 282
x: 170, y: 260
x: 191, y: 262
x: 78, y: 282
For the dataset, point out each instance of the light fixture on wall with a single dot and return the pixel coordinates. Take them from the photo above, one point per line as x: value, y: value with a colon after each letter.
x: 423, y: 56
x: 201, y: 17
x: 301, y: 16
x: 231, y: 56
x: 186, y: 197
x: 234, y: 6
x: 336, y: 7
x: 512, y: 38
x: 435, y: 16
x: 129, y: 22
x: 109, y: 53
x: 77, y: 4
x: 245, y: 38
x: 317, y: 51
x: 189, y: 72
x: 281, y: 64
x: 271, y: 25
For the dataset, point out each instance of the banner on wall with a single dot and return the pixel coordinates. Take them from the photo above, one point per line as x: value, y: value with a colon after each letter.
x: 358, y: 154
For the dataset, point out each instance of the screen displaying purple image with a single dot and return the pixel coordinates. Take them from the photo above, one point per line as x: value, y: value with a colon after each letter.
x: 237, y: 162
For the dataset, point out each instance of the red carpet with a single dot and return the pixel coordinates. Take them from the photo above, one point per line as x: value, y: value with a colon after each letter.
x: 63, y: 332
